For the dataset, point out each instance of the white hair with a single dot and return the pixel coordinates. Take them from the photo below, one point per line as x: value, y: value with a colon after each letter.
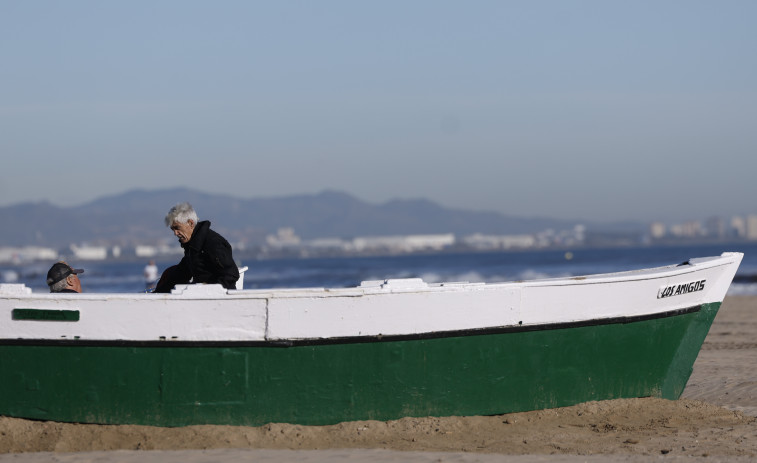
x: 182, y: 213
x: 59, y: 286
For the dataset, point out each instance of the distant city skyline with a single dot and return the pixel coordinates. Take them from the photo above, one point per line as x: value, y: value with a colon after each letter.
x: 283, y: 240
x: 286, y: 243
x: 585, y: 110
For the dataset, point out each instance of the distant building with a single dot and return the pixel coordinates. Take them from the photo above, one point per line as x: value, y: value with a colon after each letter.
x: 738, y: 225
x: 751, y: 227
x: 691, y: 229
x: 403, y: 243
x: 284, y: 237
x: 657, y: 230
x: 27, y: 254
x: 335, y: 244
x: 89, y: 252
x: 143, y: 250
x: 147, y: 251
x: 715, y: 227
x: 485, y: 242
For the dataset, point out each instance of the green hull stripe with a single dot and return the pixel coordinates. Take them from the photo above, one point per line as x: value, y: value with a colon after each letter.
x: 481, y: 374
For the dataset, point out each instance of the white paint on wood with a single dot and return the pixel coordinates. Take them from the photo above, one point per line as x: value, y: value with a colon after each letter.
x: 383, y: 307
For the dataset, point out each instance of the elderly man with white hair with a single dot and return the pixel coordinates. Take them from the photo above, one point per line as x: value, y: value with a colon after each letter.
x: 207, y: 255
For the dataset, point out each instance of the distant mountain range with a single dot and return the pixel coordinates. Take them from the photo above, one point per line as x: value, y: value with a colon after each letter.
x: 136, y: 217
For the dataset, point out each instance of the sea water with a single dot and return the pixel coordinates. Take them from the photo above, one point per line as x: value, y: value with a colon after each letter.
x: 487, y: 267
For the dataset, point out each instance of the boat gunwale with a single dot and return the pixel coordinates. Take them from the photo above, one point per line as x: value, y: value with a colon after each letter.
x: 690, y: 266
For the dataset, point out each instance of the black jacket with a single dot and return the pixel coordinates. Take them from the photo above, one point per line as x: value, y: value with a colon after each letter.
x: 207, y: 259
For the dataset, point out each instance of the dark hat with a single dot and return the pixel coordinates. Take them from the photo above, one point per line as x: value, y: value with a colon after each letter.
x: 59, y: 271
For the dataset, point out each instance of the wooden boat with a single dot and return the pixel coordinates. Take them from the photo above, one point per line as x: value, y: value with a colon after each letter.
x: 379, y: 351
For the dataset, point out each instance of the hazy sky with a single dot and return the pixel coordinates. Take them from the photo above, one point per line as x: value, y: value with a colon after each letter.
x: 600, y: 110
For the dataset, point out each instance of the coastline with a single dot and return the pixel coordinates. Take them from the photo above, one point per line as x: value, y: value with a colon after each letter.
x: 715, y: 420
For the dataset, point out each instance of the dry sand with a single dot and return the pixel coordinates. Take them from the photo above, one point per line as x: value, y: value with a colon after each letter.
x: 715, y: 420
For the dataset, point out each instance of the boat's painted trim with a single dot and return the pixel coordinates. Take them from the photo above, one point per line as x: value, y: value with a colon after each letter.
x: 349, y: 340
x: 393, y: 307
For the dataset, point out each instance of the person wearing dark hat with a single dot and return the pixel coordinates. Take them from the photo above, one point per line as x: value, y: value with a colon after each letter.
x: 62, y: 278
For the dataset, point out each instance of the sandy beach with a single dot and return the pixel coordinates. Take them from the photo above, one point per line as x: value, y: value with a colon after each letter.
x: 715, y: 420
